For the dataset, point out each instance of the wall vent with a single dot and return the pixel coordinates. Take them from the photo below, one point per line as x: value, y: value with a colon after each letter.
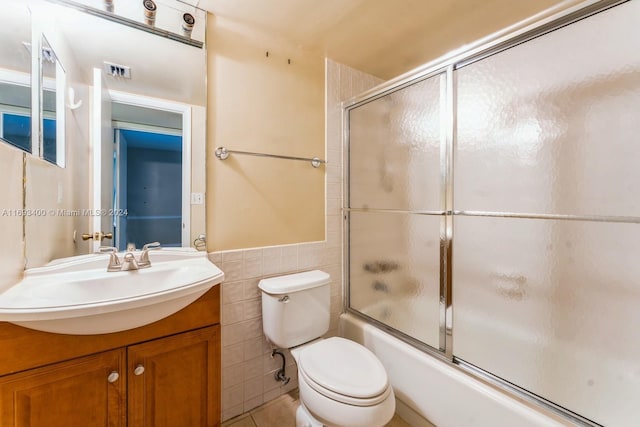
x: 116, y: 70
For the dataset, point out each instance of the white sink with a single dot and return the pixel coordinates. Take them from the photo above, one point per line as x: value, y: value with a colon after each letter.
x: 78, y: 296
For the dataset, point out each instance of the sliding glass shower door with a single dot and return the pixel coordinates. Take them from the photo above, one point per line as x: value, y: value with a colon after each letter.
x: 546, y: 270
x: 395, y: 208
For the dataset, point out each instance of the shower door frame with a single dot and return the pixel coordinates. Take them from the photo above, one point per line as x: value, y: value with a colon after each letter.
x: 511, y: 36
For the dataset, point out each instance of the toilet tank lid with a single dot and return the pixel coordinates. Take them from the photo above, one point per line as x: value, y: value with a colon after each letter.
x: 294, y: 282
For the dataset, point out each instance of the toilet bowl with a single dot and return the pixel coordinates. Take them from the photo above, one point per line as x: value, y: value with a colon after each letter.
x: 342, y: 383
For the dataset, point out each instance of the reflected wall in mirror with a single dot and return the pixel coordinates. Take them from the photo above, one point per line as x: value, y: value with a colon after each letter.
x: 89, y: 195
x: 15, y: 75
x: 150, y: 168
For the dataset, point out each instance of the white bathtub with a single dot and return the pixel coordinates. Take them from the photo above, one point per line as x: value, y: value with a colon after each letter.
x: 429, y: 389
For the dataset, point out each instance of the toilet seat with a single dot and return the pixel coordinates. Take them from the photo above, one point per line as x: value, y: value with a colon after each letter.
x: 344, y: 371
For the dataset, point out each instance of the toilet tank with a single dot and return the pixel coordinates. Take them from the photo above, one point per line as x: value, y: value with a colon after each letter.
x: 295, y: 307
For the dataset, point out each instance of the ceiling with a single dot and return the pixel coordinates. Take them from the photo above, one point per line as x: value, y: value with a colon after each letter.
x: 384, y: 38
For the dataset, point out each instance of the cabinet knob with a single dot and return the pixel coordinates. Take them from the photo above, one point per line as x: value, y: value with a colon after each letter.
x: 113, y: 377
x: 139, y: 370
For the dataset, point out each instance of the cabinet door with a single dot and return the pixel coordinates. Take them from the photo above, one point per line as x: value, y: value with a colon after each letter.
x: 81, y: 392
x: 174, y: 381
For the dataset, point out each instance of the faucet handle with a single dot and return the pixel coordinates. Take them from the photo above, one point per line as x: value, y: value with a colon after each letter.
x: 114, y: 261
x: 144, y: 256
x: 153, y: 245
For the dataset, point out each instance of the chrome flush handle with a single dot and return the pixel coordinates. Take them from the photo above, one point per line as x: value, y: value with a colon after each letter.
x: 284, y: 299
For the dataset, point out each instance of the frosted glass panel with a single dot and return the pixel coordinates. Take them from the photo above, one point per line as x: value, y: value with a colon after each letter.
x: 395, y: 149
x: 551, y: 126
x: 394, y: 271
x: 553, y: 307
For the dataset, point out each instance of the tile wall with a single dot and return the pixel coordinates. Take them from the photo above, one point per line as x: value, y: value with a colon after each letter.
x: 247, y: 367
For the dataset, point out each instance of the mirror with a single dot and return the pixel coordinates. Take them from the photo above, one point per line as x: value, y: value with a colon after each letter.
x: 52, y: 136
x: 135, y: 105
x: 15, y: 76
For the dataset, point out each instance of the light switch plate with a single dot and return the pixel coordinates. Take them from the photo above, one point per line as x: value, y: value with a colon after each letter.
x: 197, y: 198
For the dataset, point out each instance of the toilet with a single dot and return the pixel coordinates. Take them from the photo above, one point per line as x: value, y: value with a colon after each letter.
x: 342, y: 383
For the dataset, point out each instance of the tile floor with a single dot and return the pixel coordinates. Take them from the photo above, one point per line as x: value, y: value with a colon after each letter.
x: 281, y: 412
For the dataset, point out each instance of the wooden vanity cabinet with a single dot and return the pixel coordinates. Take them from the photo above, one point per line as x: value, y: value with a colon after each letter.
x: 87, y: 392
x: 163, y: 374
x: 174, y: 381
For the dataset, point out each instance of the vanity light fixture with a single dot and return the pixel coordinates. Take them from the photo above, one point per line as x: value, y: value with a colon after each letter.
x: 149, y: 12
x: 187, y: 24
x: 146, y: 21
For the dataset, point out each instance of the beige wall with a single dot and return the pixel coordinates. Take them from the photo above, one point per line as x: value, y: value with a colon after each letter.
x: 263, y: 104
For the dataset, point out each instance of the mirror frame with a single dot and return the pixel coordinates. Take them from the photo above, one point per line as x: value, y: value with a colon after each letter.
x: 59, y: 87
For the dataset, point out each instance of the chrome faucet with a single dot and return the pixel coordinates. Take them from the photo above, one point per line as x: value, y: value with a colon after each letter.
x: 129, y: 261
x: 144, y: 260
x: 114, y: 261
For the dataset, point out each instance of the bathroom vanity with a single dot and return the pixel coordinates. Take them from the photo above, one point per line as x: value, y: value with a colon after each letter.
x: 166, y: 373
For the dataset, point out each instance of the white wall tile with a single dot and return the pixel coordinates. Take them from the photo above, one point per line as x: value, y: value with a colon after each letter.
x: 233, y: 396
x: 269, y: 382
x: 232, y: 313
x: 334, y: 223
x: 271, y: 363
x: 252, y: 308
x: 250, y: 289
x: 253, y: 328
x: 233, y: 375
x: 309, y: 255
x: 253, y: 403
x: 232, y: 270
x: 233, y: 334
x: 228, y: 256
x: 252, y: 267
x: 334, y: 190
x: 254, y: 347
x: 233, y: 354
x: 334, y: 154
x: 271, y: 261
x: 231, y: 412
x: 252, y: 253
x: 252, y: 388
x: 332, y: 255
x: 253, y: 368
x: 232, y: 292
x: 289, y: 258
x: 215, y: 257
x: 334, y: 206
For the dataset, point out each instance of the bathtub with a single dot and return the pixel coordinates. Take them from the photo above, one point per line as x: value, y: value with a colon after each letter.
x: 431, y: 392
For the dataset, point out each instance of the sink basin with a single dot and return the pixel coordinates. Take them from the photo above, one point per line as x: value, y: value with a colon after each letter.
x: 78, y: 296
